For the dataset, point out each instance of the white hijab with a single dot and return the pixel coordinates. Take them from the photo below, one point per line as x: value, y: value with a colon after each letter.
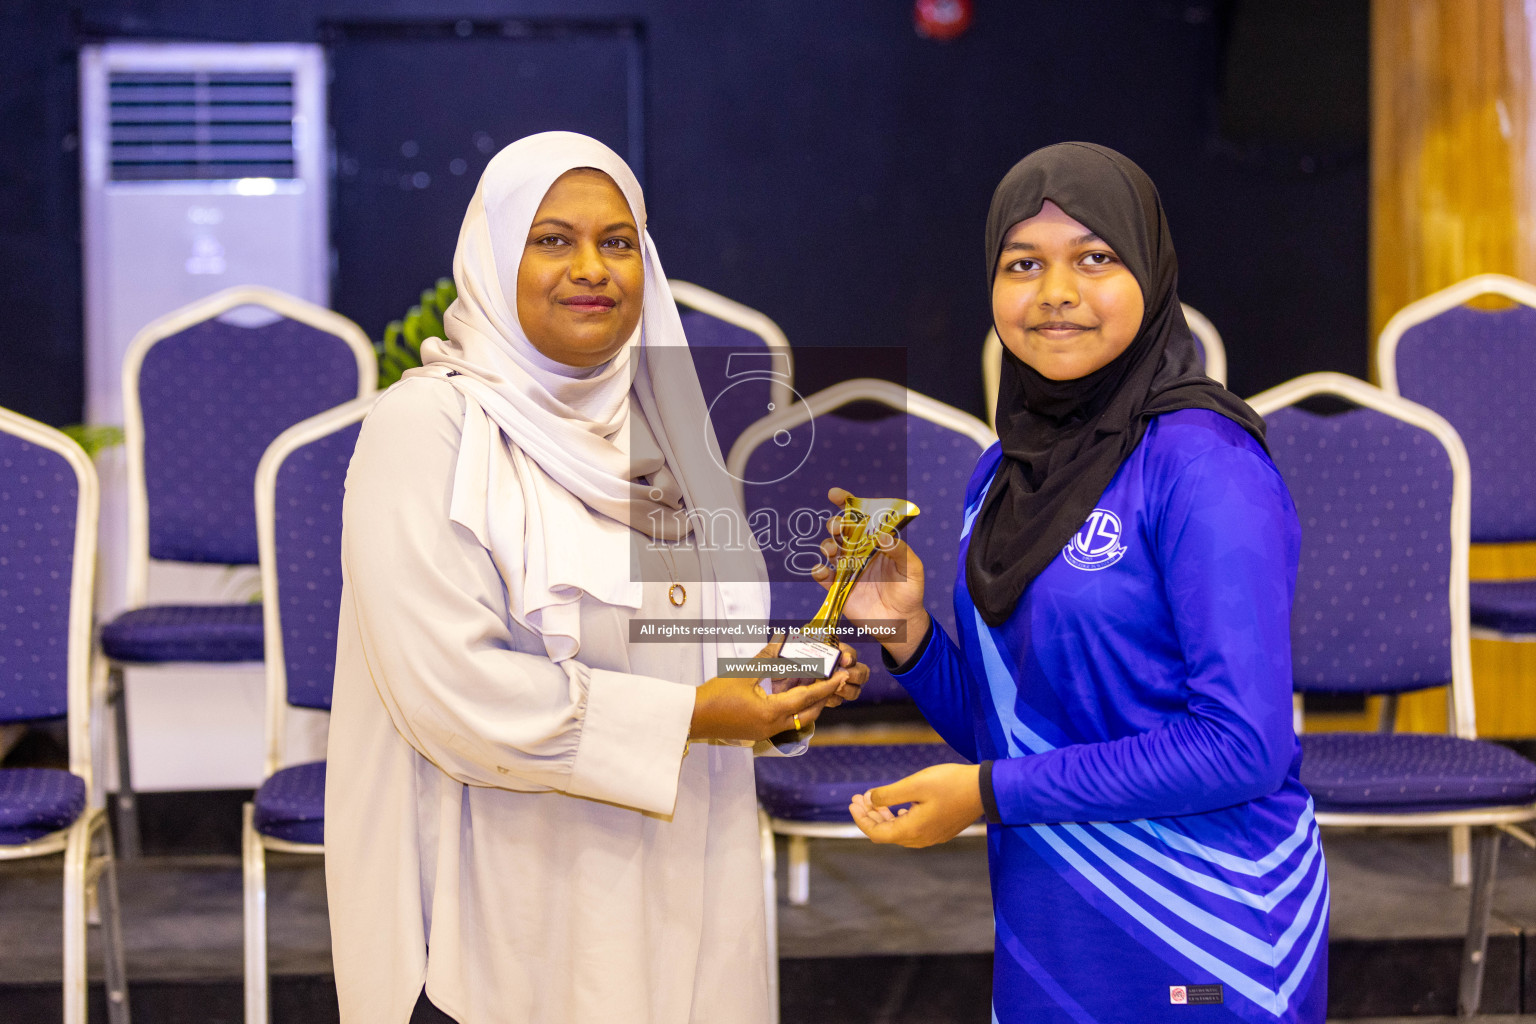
x: 558, y: 463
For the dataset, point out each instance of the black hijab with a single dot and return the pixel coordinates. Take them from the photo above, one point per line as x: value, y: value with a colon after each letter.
x: 1064, y: 440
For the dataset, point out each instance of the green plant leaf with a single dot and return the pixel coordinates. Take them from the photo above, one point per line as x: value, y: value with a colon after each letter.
x: 412, y: 330
x: 392, y: 339
x: 431, y: 323
x: 95, y: 438
x: 389, y: 355
x: 401, y: 348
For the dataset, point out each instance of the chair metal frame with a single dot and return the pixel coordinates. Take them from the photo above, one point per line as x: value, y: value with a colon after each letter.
x: 696, y: 297
x: 1200, y: 325
x: 254, y: 845
x: 90, y: 876
x: 788, y: 417
x: 1426, y: 309
x: 1461, y: 706
x: 1443, y: 301
x: 138, y: 559
x: 174, y: 323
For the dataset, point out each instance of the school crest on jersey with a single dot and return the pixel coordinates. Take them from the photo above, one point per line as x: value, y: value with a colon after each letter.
x: 1097, y: 545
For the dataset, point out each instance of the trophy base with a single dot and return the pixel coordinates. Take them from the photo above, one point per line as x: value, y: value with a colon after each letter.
x: 810, y: 650
x: 807, y: 650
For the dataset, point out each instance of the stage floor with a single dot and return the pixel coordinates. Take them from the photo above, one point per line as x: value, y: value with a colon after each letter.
x: 912, y: 926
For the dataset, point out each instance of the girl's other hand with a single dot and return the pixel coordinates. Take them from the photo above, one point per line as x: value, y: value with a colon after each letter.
x: 945, y: 800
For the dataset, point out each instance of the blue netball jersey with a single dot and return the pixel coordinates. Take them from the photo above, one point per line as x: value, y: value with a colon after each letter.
x: 1157, y: 857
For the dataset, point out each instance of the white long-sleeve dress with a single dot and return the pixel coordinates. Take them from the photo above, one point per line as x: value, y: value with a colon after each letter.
x: 544, y: 829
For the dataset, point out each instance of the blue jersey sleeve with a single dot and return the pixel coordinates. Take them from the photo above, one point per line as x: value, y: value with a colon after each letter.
x: 941, y: 685
x: 1227, y: 544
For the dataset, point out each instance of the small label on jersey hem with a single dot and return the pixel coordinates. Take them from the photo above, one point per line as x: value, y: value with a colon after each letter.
x: 1194, y: 995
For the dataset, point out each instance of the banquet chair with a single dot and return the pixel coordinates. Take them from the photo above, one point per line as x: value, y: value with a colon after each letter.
x: 1382, y: 491
x: 743, y: 360
x: 299, y: 488
x: 1477, y: 368
x: 783, y: 465
x: 205, y: 390
x: 1205, y: 333
x: 49, y: 503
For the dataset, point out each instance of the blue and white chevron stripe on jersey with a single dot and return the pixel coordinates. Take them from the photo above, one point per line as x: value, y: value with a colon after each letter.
x: 1172, y: 886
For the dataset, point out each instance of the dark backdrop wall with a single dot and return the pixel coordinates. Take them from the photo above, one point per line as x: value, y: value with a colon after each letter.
x: 820, y: 162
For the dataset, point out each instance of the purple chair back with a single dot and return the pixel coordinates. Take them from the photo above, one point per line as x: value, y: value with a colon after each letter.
x: 1477, y: 368
x: 712, y: 342
x: 307, y: 557
x: 1373, y: 493
x: 39, y: 499
x: 213, y: 397
x: 894, y: 456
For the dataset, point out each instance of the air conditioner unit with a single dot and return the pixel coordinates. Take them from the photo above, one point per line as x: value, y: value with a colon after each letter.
x: 203, y: 166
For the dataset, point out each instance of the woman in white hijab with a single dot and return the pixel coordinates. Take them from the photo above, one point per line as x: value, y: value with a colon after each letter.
x: 566, y: 819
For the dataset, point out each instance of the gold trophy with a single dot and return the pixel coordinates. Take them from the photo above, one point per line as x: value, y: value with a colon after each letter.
x: 866, y: 525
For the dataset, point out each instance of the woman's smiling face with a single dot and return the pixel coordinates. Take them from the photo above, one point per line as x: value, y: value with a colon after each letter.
x: 1063, y: 302
x: 581, y: 281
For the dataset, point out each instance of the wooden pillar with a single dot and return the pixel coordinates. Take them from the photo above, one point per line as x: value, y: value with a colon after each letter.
x: 1453, y: 193
x: 1451, y: 171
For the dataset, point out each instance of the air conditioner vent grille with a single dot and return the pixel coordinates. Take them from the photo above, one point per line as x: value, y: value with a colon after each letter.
x: 201, y: 125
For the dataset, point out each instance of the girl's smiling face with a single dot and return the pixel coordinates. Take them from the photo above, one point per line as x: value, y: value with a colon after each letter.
x: 1063, y: 302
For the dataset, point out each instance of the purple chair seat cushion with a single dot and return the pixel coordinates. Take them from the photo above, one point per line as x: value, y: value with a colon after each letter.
x: 37, y: 801
x: 817, y: 785
x: 291, y: 804
x: 1411, y: 772
x: 1508, y: 606
x: 194, y: 632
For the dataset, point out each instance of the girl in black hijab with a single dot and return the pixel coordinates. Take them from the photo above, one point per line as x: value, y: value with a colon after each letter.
x: 1122, y: 674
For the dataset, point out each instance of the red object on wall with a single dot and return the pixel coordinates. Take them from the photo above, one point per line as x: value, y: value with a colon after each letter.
x: 941, y: 19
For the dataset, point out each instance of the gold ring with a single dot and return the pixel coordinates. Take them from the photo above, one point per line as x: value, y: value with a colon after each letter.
x: 797, y: 724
